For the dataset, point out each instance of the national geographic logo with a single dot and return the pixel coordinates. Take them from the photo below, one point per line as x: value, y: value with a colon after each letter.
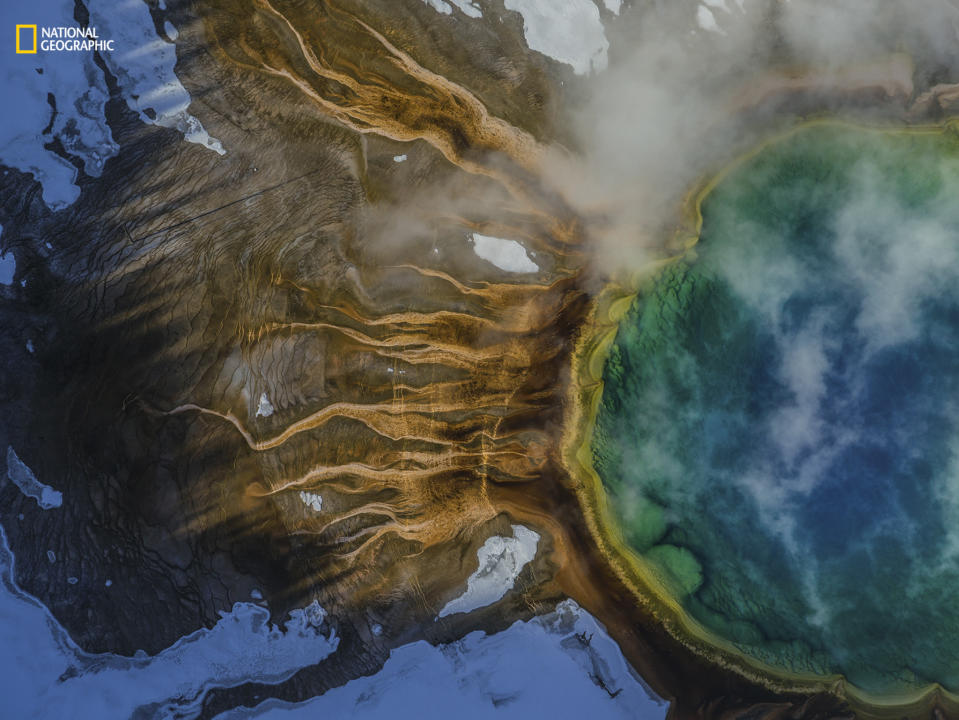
x: 60, y: 39
x: 29, y: 46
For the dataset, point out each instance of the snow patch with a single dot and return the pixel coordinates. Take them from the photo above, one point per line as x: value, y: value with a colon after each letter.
x: 501, y: 560
x: 707, y: 21
x: 569, y: 31
x: 170, y: 30
x: 265, y: 408
x: 467, y: 7
x: 507, y: 255
x: 22, y: 476
x: 312, y: 500
x: 399, y: 158
x: 8, y: 267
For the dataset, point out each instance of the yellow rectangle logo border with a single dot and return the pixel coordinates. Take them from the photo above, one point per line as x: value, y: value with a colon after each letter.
x: 27, y: 52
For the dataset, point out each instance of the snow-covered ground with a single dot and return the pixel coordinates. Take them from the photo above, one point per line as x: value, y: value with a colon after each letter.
x: 507, y: 255
x: 566, y: 30
x: 8, y: 266
x: 552, y: 666
x: 569, y: 31
x: 22, y: 476
x: 710, y: 14
x: 143, y: 63
x: 43, y: 674
x: 562, y: 664
x: 79, y: 91
x: 501, y: 559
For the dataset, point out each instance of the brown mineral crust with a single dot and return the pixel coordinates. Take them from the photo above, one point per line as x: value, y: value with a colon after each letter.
x: 184, y: 284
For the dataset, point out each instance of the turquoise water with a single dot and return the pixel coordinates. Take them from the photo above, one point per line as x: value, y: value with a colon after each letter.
x: 779, y: 428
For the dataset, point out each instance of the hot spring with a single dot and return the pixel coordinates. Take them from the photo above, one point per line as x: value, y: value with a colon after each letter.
x: 778, y: 431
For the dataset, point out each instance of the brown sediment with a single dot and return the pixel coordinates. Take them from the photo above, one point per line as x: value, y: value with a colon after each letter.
x: 465, y: 410
x: 356, y: 76
x: 442, y: 388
